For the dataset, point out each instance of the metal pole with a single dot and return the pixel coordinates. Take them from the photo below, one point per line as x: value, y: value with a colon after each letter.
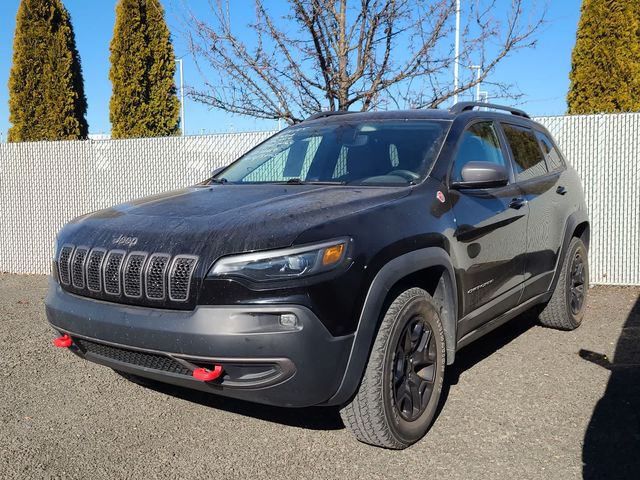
x: 183, y: 128
x: 457, y: 59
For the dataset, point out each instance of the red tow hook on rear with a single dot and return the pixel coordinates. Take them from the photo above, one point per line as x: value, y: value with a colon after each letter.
x: 63, y: 342
x: 206, y: 375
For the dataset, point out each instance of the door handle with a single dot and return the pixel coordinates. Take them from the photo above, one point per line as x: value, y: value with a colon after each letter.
x: 561, y: 190
x: 517, y: 203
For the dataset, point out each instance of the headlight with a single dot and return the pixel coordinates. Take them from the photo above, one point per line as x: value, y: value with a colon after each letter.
x: 288, y: 263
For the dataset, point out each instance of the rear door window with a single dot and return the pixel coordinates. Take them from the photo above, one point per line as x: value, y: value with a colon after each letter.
x: 528, y: 161
x: 554, y: 160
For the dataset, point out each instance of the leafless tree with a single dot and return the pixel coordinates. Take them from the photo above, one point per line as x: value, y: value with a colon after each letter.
x: 351, y: 54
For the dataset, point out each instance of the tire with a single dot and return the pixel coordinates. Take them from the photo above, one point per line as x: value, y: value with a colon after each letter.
x: 382, y: 413
x: 563, y: 311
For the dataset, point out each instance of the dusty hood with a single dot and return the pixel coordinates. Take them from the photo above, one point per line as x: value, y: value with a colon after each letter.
x: 219, y: 220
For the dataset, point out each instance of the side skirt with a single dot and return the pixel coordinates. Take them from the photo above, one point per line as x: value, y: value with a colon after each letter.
x: 505, y: 317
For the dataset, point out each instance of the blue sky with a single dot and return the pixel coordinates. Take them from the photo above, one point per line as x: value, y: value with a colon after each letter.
x: 541, y: 74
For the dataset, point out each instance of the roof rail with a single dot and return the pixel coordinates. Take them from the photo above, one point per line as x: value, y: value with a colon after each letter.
x: 467, y: 106
x: 326, y: 114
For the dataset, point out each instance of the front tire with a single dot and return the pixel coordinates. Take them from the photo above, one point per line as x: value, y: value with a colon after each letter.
x: 565, y: 310
x: 400, y: 389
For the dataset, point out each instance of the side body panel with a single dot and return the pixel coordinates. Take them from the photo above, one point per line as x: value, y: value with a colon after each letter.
x: 489, y: 250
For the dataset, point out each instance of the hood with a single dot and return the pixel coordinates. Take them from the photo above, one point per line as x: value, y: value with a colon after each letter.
x: 218, y: 220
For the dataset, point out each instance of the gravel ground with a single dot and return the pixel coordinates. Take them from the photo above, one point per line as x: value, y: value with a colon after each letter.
x: 523, y: 402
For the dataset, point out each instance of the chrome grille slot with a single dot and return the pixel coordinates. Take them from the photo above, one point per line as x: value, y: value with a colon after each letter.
x: 111, y: 272
x: 94, y: 269
x: 156, y: 276
x: 132, y: 274
x: 77, y: 267
x: 180, y: 275
x: 63, y: 264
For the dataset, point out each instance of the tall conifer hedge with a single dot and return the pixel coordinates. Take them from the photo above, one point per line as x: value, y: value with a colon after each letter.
x: 46, y: 91
x: 143, y: 101
x: 605, y: 70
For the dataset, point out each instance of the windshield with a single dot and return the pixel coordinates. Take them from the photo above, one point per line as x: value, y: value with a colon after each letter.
x: 386, y: 152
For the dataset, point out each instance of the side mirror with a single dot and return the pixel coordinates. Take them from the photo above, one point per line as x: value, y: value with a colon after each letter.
x: 482, y: 175
x: 216, y: 171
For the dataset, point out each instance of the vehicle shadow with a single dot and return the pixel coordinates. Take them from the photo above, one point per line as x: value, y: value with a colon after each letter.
x: 490, y: 343
x: 612, y: 440
x: 312, y: 418
x: 328, y: 418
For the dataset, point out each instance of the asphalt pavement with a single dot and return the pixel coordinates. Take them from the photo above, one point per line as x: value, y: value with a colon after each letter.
x: 522, y: 402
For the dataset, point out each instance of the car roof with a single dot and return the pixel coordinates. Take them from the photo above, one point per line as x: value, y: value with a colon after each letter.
x: 466, y: 109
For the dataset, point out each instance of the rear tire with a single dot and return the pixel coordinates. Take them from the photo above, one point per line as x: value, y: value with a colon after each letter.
x: 400, y: 389
x: 565, y: 310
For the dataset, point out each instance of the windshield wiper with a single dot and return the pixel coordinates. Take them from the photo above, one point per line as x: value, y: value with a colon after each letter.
x: 219, y: 180
x: 298, y: 181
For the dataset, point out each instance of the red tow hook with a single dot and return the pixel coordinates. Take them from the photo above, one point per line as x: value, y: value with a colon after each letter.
x: 63, y: 342
x: 206, y: 375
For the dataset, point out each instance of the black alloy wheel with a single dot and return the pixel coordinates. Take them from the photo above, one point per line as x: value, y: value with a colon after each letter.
x: 414, y: 369
x: 576, y: 289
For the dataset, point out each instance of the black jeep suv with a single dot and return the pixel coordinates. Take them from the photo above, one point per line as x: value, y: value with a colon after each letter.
x: 344, y: 261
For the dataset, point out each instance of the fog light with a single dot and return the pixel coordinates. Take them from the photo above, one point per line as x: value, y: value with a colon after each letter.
x: 288, y: 320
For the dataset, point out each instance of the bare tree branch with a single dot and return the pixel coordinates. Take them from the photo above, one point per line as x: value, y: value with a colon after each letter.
x: 352, y: 54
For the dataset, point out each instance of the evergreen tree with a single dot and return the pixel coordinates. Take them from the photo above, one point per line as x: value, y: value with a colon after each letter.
x: 143, y: 101
x: 605, y: 71
x: 46, y: 91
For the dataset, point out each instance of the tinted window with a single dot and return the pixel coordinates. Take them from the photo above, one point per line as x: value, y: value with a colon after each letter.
x: 527, y: 156
x: 554, y: 160
x: 479, y: 143
x: 386, y: 152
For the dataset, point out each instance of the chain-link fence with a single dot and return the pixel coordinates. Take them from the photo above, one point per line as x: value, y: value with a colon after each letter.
x: 605, y: 150
x: 43, y: 185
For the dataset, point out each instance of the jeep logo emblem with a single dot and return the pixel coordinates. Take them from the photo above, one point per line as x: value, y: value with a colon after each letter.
x: 125, y: 241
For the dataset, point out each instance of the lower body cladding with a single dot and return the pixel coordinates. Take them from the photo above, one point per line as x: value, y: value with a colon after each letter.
x: 273, y: 354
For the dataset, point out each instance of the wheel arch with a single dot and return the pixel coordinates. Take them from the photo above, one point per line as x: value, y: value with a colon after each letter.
x: 583, y: 232
x: 428, y: 268
x: 577, y: 226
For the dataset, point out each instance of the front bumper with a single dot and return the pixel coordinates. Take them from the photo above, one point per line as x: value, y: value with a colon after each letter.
x: 263, y: 361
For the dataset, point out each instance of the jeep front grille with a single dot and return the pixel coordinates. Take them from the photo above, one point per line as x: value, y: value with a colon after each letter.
x: 111, y: 272
x: 132, y: 274
x: 136, y: 275
x: 156, y: 273
x: 77, y: 267
x: 94, y: 269
x: 63, y: 264
x: 180, y: 277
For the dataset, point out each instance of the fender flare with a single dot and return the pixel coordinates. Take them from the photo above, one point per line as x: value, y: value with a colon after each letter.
x: 368, y: 323
x: 576, y: 218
